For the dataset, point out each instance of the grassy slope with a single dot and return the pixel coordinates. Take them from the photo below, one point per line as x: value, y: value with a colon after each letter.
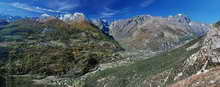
x: 74, y: 50
x: 133, y: 75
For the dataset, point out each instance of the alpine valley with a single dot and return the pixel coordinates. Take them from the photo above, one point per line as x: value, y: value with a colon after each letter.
x: 74, y: 51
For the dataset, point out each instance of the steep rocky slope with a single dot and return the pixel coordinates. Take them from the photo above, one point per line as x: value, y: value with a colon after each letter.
x: 102, y: 24
x: 200, y: 69
x: 156, y: 33
x: 204, y: 63
x: 207, y: 79
x: 192, y: 65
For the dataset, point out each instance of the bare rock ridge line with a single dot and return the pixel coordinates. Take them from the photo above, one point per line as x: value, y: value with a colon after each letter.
x: 205, y: 63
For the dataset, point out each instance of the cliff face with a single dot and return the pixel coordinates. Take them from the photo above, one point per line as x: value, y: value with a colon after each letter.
x: 203, y: 64
x: 156, y: 33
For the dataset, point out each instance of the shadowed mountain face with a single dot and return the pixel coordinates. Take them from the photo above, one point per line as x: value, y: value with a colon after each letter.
x: 102, y: 24
x: 2, y: 82
x: 3, y: 22
x: 55, y: 47
x: 155, y: 33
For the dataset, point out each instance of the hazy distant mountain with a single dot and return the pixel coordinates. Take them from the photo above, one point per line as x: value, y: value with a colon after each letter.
x: 73, y: 17
x: 9, y: 18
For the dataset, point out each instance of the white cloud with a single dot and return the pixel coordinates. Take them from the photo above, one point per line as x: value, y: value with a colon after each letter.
x: 109, y: 12
x: 47, y: 10
x: 30, y: 8
x: 63, y: 4
x: 147, y: 3
x: 25, y: 7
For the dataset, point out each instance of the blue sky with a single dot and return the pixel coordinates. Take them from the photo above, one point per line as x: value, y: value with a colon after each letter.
x: 207, y: 11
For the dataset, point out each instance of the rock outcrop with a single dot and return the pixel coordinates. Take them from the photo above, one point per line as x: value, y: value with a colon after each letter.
x: 207, y: 79
x: 201, y: 65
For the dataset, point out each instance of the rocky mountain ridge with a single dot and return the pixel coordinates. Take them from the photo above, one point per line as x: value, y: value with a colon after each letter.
x: 156, y: 33
x: 204, y: 63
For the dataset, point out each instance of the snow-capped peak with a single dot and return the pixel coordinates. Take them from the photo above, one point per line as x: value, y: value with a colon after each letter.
x: 73, y: 17
x: 45, y: 15
x: 190, y: 23
x: 180, y: 14
x: 77, y: 14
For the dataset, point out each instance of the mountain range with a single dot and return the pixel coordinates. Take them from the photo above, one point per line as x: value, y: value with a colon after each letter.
x: 9, y: 18
x: 156, y: 33
x: 143, y: 51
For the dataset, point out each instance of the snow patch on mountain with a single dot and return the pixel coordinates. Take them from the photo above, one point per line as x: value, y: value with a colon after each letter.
x: 73, y: 17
